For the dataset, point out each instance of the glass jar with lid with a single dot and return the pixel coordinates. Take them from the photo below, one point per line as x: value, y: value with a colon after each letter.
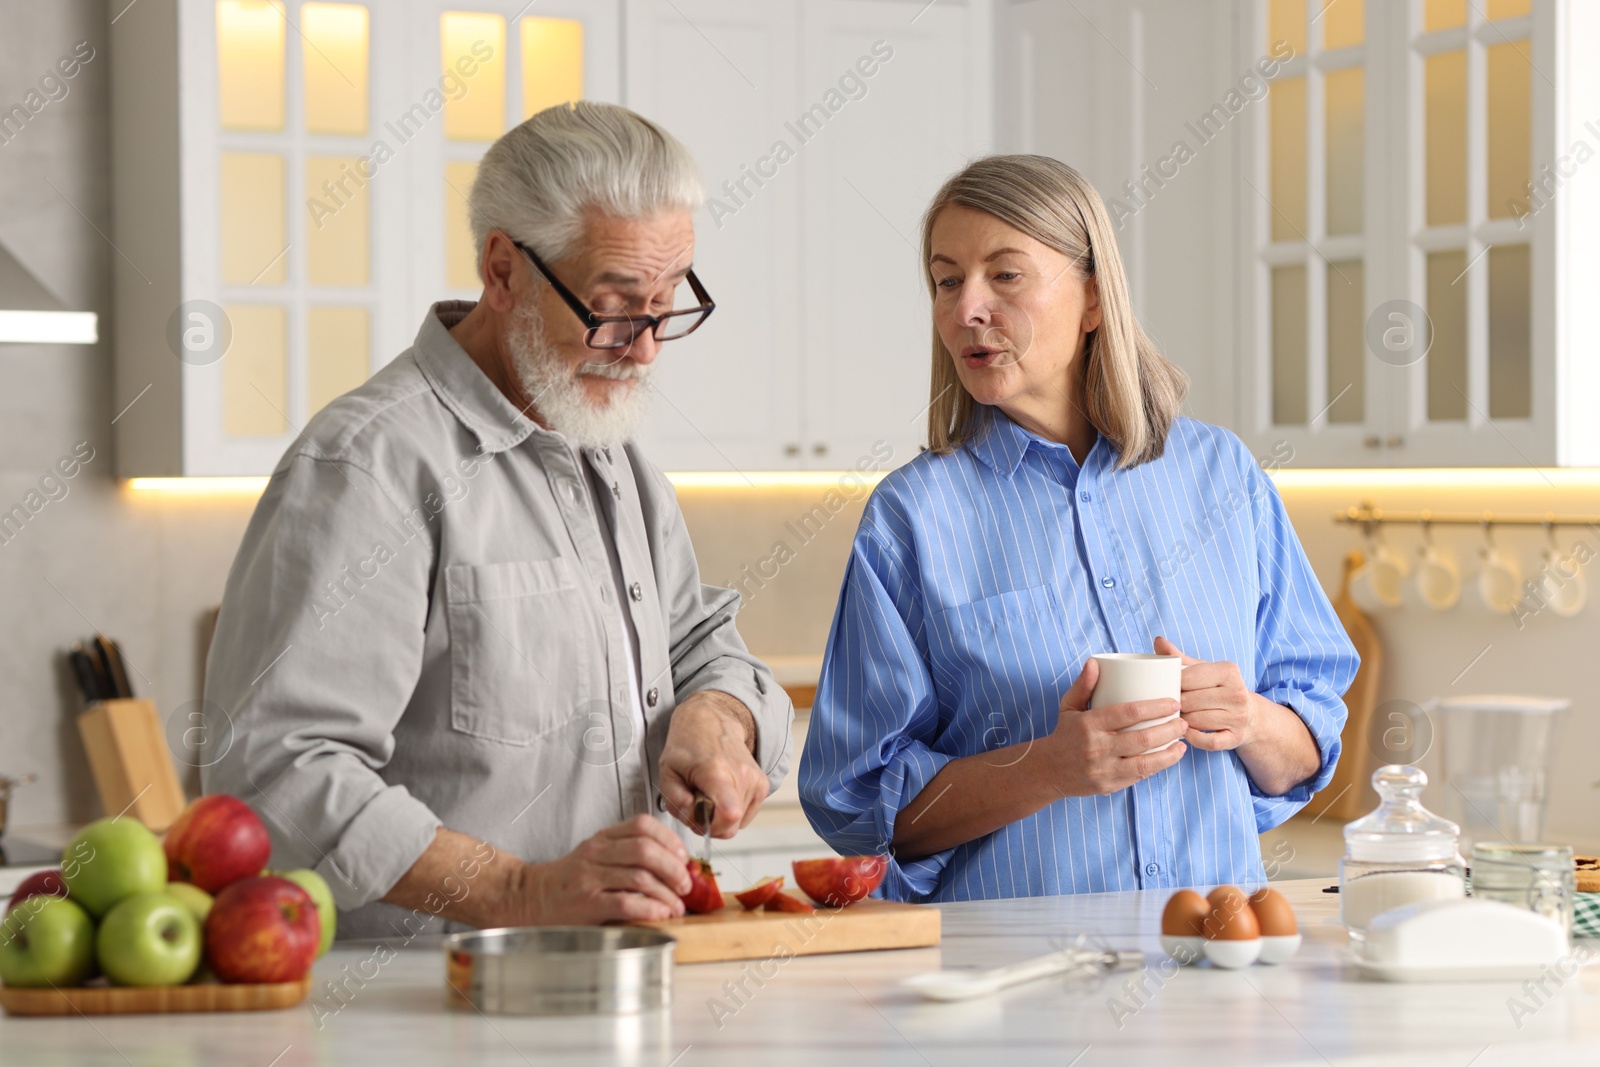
x: 1399, y: 854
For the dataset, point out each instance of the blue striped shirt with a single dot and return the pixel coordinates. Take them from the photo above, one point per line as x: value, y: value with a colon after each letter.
x: 978, y: 584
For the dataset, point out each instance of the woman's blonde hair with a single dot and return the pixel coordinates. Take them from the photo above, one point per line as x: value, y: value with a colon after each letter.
x: 1131, y: 392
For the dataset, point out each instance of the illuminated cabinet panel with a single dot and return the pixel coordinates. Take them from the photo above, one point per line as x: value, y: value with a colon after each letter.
x: 282, y: 218
x: 255, y: 372
x: 336, y: 56
x: 250, y: 55
x: 338, y: 353
x: 552, y: 63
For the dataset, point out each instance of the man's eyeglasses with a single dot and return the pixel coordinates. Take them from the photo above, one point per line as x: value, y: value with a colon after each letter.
x: 609, y: 332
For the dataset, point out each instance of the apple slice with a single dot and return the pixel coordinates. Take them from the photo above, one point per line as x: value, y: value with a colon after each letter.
x: 788, y: 902
x: 703, y: 896
x: 840, y: 880
x: 759, y: 893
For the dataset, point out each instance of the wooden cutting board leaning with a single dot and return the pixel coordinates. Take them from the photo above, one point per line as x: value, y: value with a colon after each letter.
x: 1345, y: 797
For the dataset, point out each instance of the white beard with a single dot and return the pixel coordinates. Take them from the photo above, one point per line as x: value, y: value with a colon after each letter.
x: 559, y: 395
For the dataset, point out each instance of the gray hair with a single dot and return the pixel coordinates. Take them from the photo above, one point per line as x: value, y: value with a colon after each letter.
x: 538, y: 180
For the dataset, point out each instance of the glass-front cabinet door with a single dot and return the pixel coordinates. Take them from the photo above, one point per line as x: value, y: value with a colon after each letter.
x: 290, y: 196
x: 1400, y: 268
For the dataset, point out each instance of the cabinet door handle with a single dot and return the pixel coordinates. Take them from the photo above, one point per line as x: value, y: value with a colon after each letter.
x: 1395, y: 441
x: 1372, y: 440
x: 819, y: 449
x: 791, y: 450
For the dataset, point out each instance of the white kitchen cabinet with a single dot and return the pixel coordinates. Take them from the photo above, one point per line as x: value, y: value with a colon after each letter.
x: 822, y: 129
x: 287, y: 197
x: 721, y: 77
x: 1112, y: 87
x: 1407, y: 298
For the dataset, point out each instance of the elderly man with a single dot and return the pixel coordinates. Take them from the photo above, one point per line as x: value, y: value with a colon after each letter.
x: 464, y: 657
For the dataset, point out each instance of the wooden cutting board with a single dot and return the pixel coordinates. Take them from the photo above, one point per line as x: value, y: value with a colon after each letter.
x: 1346, y: 796
x: 737, y: 934
x: 120, y: 1000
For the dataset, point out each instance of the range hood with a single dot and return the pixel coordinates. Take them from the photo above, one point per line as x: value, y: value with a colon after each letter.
x: 31, y: 314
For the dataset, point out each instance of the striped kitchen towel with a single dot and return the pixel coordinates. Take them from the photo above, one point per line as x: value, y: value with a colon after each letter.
x: 1586, y: 915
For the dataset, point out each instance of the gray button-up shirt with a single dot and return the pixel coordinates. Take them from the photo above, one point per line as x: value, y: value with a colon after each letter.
x: 422, y: 627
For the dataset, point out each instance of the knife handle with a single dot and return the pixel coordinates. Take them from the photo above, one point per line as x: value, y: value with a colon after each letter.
x: 705, y: 810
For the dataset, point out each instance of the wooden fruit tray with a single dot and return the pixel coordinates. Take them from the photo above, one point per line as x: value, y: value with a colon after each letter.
x: 118, y: 1000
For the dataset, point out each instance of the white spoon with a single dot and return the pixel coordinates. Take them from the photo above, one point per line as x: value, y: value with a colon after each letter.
x: 966, y: 984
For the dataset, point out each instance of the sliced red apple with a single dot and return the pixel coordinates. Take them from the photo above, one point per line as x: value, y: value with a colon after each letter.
x: 788, y: 902
x: 759, y: 893
x: 703, y: 896
x: 840, y: 880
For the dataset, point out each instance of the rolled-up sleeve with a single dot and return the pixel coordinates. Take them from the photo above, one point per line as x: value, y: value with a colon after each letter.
x: 706, y: 650
x: 1304, y: 658
x: 869, y: 746
x: 316, y: 654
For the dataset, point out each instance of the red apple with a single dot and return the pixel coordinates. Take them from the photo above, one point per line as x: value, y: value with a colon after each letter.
x: 788, y: 902
x: 43, y: 883
x: 262, y: 930
x: 215, y: 842
x: 840, y: 880
x: 703, y: 896
x: 759, y: 893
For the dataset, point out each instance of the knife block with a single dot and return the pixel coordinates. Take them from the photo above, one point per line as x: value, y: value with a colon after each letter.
x: 128, y: 756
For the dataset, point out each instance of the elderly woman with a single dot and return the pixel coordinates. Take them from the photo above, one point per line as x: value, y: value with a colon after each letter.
x: 1062, y: 509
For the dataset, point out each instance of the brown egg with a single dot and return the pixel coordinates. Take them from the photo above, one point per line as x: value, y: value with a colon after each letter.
x: 1273, y: 913
x: 1185, y: 914
x: 1231, y: 918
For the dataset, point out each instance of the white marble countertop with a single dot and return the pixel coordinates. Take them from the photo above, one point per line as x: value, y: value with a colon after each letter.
x: 848, y: 1009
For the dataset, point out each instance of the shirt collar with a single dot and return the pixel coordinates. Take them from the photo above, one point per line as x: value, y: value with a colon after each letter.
x: 461, y: 385
x: 1002, y: 444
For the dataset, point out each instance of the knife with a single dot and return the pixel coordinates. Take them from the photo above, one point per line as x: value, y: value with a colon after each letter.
x: 83, y: 673
x: 117, y: 668
x: 101, y: 688
x: 705, y: 809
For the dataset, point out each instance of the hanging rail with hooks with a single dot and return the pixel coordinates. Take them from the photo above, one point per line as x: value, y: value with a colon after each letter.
x: 1369, y: 516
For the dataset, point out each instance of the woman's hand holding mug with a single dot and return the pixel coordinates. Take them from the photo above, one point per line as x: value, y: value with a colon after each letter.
x: 1093, y: 752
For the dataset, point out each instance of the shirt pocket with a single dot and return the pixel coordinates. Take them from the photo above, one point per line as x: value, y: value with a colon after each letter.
x: 518, y: 660
x: 1009, y: 645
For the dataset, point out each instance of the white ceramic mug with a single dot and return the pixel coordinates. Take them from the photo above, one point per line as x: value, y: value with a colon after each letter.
x: 1565, y: 590
x: 1379, y: 583
x: 1500, y: 581
x: 1129, y: 676
x: 1438, y: 581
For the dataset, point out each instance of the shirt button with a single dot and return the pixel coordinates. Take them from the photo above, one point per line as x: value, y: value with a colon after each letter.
x: 653, y: 697
x: 605, y: 595
x: 636, y: 591
x: 1152, y: 869
x: 616, y: 490
x: 572, y: 492
x: 1109, y: 583
x: 1084, y: 496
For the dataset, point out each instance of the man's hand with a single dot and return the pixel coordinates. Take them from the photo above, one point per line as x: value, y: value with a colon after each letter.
x: 1089, y: 755
x: 632, y: 871
x: 708, y: 750
x: 1219, y: 708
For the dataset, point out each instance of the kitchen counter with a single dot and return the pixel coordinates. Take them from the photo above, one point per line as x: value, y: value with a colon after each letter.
x: 849, y: 1009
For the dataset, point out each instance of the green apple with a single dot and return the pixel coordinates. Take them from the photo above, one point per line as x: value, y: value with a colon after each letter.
x: 149, y: 939
x: 197, y: 900
x: 314, y: 884
x: 46, y: 941
x: 112, y: 859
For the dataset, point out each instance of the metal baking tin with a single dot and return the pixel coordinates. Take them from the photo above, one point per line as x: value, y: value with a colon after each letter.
x: 560, y: 970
